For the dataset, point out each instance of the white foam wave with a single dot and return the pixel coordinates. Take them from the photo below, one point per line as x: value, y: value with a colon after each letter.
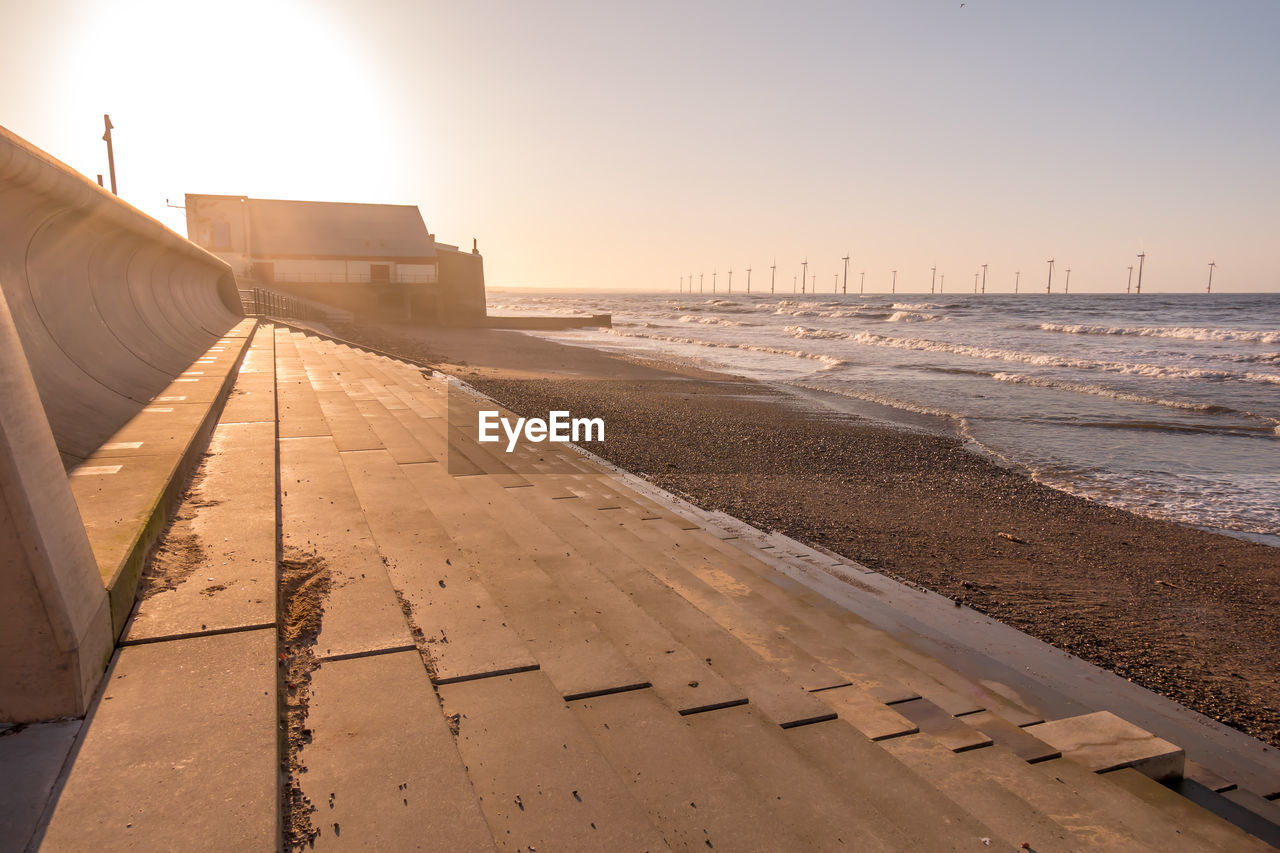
x: 1156, y: 371
x: 1195, y: 333
x: 830, y: 361
x: 1103, y: 391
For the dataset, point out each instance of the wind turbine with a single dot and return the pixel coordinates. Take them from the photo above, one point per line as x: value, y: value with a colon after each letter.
x: 984, y: 278
x: 748, y: 279
x: 975, y: 284
x: 933, y: 281
x: 1142, y: 256
x: 845, y: 289
x: 862, y: 282
x: 714, y: 273
x: 700, y: 275
x: 804, y: 273
x: 1209, y: 289
x: 893, y: 288
x: 835, y: 285
x: 942, y: 282
x: 1128, y: 288
x: 731, y: 279
x: 1049, y: 287
x: 1066, y: 287
x: 773, y: 270
x: 1017, y: 276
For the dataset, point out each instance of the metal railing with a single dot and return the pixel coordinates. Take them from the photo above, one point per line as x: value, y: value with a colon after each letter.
x: 352, y: 278
x: 260, y: 302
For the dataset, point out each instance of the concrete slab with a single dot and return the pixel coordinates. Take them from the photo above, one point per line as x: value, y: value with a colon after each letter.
x: 681, y: 677
x: 320, y: 516
x: 542, y: 781
x: 1017, y: 740
x: 381, y: 768
x: 31, y: 758
x: 180, y: 751
x: 231, y: 513
x: 1212, y: 832
x: 867, y: 714
x: 466, y: 631
x: 1104, y: 742
x: 683, y: 785
x: 941, y: 726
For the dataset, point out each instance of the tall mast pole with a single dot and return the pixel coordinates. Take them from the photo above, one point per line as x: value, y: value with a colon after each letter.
x: 845, y: 289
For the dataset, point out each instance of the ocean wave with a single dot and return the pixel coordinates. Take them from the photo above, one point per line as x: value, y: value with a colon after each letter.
x: 1155, y: 371
x: 1113, y: 393
x: 805, y: 332
x: 1195, y: 333
x: 830, y: 361
x: 915, y: 306
x: 715, y: 321
x: 911, y: 317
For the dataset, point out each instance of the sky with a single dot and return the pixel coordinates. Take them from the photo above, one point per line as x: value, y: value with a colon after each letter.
x: 629, y: 145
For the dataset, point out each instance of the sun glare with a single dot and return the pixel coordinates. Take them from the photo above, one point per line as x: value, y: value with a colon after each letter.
x: 286, y: 102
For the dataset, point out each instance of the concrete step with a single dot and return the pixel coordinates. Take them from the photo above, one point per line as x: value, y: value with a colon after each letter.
x: 320, y: 517
x: 543, y: 783
x: 685, y: 786
x: 969, y: 781
x: 465, y: 629
x: 382, y: 771
x: 1101, y: 741
x: 181, y: 745
x: 1208, y: 830
x: 127, y: 489
x: 682, y: 679
x: 590, y: 568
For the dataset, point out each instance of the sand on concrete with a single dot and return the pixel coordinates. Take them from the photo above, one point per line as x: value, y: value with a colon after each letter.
x: 1190, y: 614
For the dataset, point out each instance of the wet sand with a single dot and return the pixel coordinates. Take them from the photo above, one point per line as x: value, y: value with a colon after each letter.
x: 1189, y: 614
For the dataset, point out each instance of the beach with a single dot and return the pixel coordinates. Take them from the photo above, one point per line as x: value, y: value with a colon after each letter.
x: 1190, y: 614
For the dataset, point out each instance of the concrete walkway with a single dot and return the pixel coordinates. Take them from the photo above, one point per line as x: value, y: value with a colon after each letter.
x: 533, y: 655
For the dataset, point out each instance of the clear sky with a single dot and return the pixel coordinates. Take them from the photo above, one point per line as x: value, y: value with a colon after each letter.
x: 624, y: 145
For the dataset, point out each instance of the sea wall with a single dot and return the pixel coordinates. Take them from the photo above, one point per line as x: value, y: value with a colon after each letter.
x: 101, y: 307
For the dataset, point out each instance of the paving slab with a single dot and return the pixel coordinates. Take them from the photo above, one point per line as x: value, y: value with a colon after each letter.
x: 865, y: 713
x: 1104, y: 742
x: 682, y: 678
x: 914, y: 813
x: 382, y: 770
x: 466, y: 631
x: 31, y: 759
x: 941, y: 726
x: 542, y: 781
x: 232, y: 513
x: 321, y: 516
x: 1016, y: 739
x: 685, y: 787
x: 179, y: 753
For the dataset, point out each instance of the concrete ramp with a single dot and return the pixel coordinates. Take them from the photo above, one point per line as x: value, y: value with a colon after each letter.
x: 109, y: 304
x: 102, y: 311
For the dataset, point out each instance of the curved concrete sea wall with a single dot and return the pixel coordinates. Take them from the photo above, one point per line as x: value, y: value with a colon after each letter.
x: 110, y: 305
x: 101, y: 307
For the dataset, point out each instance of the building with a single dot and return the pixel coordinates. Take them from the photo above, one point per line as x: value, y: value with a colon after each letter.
x: 375, y: 260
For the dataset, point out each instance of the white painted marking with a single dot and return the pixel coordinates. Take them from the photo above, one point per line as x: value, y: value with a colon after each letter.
x: 186, y: 380
x: 217, y: 349
x: 157, y: 409
x: 95, y: 469
x: 169, y: 400
x: 122, y: 445
x: 193, y: 373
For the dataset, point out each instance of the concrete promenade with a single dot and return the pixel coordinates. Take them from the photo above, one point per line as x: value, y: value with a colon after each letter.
x: 354, y: 641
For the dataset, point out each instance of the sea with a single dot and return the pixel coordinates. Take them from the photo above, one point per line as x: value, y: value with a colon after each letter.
x: 1165, y: 405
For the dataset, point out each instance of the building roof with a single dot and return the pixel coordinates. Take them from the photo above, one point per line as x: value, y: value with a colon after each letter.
x: 337, y: 229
